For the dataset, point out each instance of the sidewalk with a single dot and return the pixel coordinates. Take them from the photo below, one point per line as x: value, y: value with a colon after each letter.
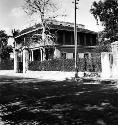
x: 44, y: 75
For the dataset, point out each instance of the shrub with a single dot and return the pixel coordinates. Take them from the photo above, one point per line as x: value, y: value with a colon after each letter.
x: 92, y: 64
x: 6, y: 65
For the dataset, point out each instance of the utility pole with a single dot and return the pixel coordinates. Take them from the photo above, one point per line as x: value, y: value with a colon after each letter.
x: 75, y: 37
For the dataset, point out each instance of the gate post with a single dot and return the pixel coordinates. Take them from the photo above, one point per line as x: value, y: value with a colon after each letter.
x: 105, y: 65
x: 114, y: 47
x: 25, y: 60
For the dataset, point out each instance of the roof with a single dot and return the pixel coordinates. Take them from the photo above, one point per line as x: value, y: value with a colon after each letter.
x: 56, y: 25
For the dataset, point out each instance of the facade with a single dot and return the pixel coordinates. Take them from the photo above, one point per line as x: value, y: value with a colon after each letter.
x: 61, y: 46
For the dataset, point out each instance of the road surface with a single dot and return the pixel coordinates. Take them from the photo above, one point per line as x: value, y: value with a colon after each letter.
x: 25, y: 101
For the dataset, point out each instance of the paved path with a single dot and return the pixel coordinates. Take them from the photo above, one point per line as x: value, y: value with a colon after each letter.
x: 45, y: 75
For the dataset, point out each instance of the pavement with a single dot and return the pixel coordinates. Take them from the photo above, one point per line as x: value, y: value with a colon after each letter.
x: 43, y: 75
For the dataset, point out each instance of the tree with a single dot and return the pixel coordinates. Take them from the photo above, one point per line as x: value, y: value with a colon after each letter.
x: 14, y: 34
x: 45, y: 9
x: 5, y: 50
x: 106, y: 12
x: 3, y: 39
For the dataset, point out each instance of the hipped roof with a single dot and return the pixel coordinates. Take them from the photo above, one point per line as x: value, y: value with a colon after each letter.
x: 56, y: 25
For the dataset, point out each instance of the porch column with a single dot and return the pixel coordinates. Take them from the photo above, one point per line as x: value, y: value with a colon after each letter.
x: 25, y: 60
x: 16, y: 60
x: 91, y: 40
x: 78, y: 38
x: 44, y: 54
x: 85, y: 39
x: 32, y: 55
x: 72, y: 42
x: 41, y: 52
x: 64, y: 38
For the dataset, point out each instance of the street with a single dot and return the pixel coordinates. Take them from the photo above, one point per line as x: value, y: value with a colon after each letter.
x: 25, y: 101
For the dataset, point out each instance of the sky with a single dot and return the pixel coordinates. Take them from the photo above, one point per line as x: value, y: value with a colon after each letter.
x: 13, y: 16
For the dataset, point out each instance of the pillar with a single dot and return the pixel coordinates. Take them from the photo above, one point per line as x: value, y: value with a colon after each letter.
x: 32, y: 55
x: 64, y: 40
x: 41, y: 52
x: 16, y: 60
x: 25, y: 60
x: 114, y: 47
x: 91, y: 41
x: 85, y: 40
x: 105, y: 65
x: 44, y: 54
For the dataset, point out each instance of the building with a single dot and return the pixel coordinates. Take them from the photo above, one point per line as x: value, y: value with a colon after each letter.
x: 63, y: 45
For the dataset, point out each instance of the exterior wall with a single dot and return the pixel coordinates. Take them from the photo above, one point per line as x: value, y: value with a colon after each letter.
x: 69, y: 55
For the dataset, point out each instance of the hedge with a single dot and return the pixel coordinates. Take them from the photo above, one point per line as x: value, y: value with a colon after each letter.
x: 91, y: 65
x: 6, y: 65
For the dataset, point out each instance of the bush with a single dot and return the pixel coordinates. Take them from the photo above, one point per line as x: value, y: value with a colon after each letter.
x: 92, y: 65
x: 6, y: 65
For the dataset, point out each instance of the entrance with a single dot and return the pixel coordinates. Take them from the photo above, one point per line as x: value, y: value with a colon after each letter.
x: 37, y: 55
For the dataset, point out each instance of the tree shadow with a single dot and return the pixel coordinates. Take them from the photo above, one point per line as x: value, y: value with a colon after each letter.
x: 57, y: 103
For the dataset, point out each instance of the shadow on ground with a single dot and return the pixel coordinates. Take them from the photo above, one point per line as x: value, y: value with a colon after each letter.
x: 25, y: 101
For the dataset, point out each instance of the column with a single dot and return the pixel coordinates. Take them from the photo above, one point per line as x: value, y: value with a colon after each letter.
x: 25, y: 60
x: 78, y: 38
x: 85, y: 40
x: 91, y: 41
x: 44, y: 54
x: 72, y: 42
x: 32, y: 55
x: 114, y: 61
x: 64, y: 38
x: 41, y: 52
x: 105, y: 65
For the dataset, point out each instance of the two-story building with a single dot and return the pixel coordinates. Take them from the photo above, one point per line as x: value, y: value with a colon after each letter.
x: 63, y: 45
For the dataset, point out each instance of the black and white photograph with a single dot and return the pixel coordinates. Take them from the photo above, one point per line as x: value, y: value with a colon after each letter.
x: 58, y: 62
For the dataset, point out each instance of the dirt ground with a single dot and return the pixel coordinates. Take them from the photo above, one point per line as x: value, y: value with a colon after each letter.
x: 34, y: 102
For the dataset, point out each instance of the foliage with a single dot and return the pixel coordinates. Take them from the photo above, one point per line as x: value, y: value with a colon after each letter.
x: 45, y: 9
x: 3, y: 38
x: 93, y: 64
x: 107, y: 13
x: 15, y: 32
x: 6, y: 65
x: 103, y: 44
x: 5, y: 50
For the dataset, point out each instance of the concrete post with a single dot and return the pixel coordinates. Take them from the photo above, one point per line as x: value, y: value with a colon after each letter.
x: 106, y: 66
x: 114, y: 46
x: 16, y: 60
x: 25, y: 60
